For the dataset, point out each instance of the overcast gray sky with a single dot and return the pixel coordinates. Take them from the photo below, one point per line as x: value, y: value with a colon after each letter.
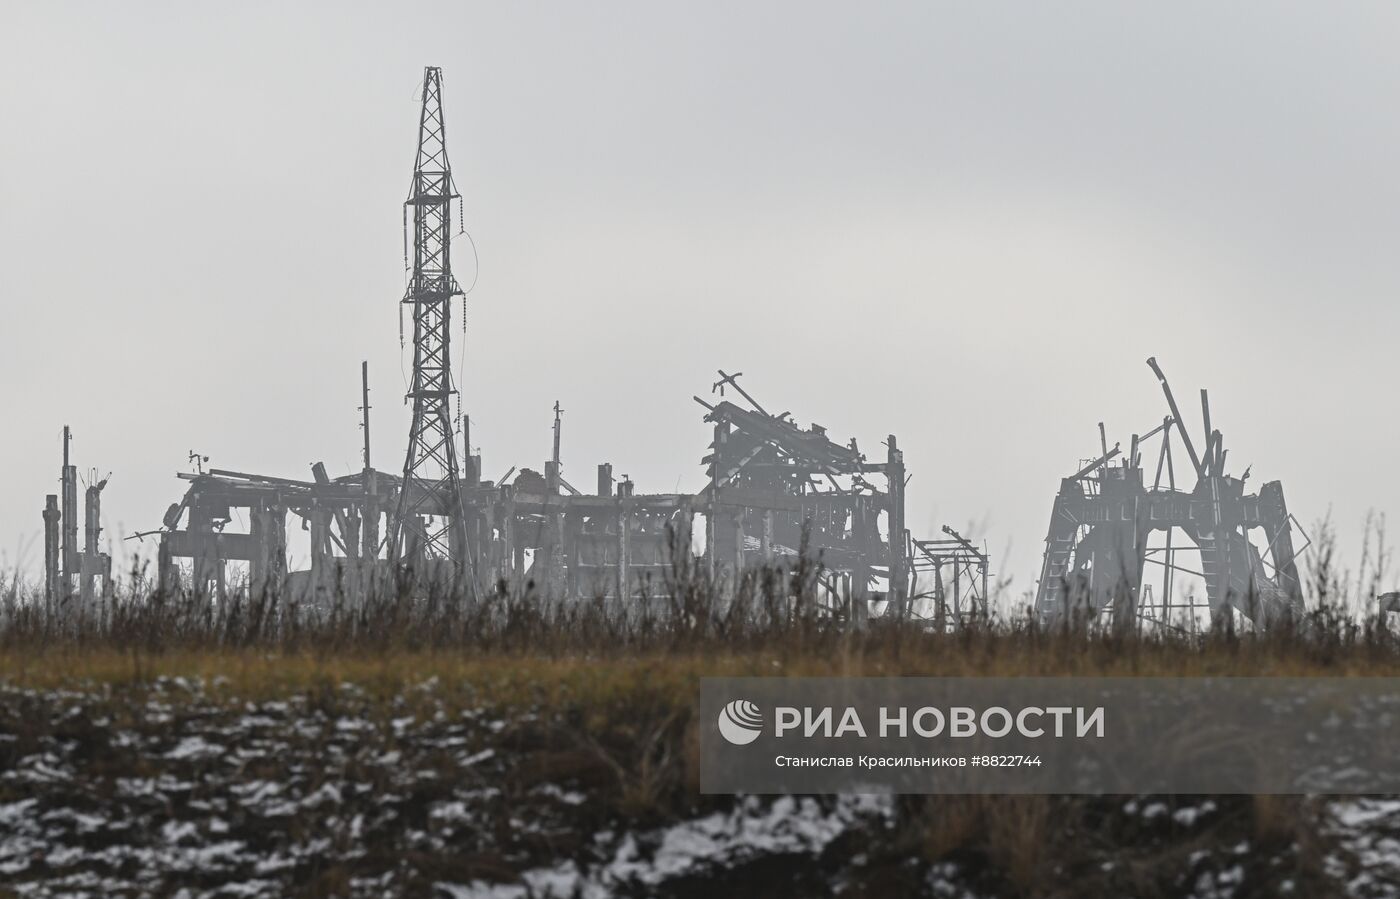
x: 964, y: 223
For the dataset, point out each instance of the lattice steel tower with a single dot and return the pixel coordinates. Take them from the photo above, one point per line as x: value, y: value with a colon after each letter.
x: 430, y: 520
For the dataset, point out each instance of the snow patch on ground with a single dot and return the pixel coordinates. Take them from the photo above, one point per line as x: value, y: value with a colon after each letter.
x: 1367, y: 858
x: 755, y: 828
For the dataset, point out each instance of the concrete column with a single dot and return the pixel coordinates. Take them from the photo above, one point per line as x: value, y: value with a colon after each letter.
x: 899, y: 572
x: 52, y: 550
x: 624, y: 549
x: 89, y: 564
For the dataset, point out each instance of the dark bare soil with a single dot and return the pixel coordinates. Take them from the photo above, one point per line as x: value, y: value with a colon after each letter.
x: 176, y: 787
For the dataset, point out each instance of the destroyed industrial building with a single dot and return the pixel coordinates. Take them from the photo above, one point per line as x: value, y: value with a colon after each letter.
x: 773, y: 491
x: 1098, y: 549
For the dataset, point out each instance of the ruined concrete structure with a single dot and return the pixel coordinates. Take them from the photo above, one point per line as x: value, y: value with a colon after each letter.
x: 74, y: 570
x: 1097, y: 548
x: 774, y: 490
x: 772, y: 485
x: 438, y: 525
x: 770, y: 480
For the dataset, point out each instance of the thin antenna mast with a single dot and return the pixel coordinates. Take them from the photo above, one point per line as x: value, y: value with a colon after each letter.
x: 364, y: 407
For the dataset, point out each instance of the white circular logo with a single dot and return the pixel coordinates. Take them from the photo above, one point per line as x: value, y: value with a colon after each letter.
x: 740, y: 722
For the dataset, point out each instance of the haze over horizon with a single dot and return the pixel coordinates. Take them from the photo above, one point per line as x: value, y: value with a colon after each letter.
x: 964, y: 224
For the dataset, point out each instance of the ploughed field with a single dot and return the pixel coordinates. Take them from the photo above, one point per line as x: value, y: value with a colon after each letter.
x: 274, y: 771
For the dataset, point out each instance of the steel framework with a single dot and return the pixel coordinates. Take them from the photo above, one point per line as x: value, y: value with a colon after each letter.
x: 957, y: 573
x: 429, y: 523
